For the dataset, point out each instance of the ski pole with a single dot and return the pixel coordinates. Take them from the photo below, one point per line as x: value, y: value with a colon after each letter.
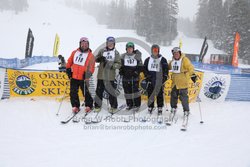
x: 62, y: 100
x: 133, y: 102
x: 201, y: 121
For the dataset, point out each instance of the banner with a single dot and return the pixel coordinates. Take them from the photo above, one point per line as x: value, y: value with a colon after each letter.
x: 203, y: 50
x: 215, y: 87
x: 56, y: 45
x: 2, y: 76
x: 37, y: 83
x: 193, y: 89
x: 180, y: 44
x: 29, y: 44
x: 236, y: 50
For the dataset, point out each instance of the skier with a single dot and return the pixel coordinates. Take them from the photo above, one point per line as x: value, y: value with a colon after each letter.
x: 62, y: 63
x: 182, y: 71
x: 109, y: 59
x: 156, y: 73
x: 79, y: 68
x: 131, y: 66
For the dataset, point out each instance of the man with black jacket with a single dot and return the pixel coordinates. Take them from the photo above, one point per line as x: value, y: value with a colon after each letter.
x: 131, y: 67
x: 156, y: 73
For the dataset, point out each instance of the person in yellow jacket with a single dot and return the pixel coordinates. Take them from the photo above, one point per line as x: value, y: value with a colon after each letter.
x: 182, y: 72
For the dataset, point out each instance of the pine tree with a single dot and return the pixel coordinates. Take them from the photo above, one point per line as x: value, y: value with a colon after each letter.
x: 202, y: 21
x: 156, y: 20
x: 215, y: 21
x: 142, y: 17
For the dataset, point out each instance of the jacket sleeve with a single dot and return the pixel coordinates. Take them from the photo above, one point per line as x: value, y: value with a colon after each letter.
x: 165, y: 67
x: 169, y: 65
x: 121, y: 72
x: 98, y: 56
x: 91, y: 64
x: 188, y: 66
x: 145, y: 67
x: 117, y: 61
x: 140, y: 66
x: 70, y: 60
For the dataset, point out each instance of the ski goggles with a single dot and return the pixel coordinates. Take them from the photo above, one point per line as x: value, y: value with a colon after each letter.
x: 155, y: 50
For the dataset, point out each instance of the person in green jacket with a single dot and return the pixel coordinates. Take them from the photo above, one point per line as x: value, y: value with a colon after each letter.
x: 182, y: 71
x: 109, y: 59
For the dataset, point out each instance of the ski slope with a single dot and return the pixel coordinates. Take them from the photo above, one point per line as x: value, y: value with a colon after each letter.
x: 46, y: 18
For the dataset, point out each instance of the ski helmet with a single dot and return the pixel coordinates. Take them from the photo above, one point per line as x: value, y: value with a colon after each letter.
x: 130, y: 45
x: 110, y: 39
x: 176, y: 49
x: 155, y: 47
x: 84, y: 39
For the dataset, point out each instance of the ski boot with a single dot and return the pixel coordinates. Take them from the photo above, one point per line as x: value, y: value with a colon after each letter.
x: 112, y: 110
x: 159, y: 110
x: 150, y: 110
x: 75, y: 110
x: 97, y: 109
x: 87, y: 109
x: 171, y: 116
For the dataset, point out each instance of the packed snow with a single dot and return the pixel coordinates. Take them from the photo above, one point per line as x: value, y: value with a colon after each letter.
x: 31, y: 135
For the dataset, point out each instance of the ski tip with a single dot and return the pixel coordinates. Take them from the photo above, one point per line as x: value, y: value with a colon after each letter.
x: 168, y: 124
x: 184, y: 129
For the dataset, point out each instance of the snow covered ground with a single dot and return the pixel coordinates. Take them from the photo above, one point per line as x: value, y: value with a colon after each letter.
x: 31, y: 135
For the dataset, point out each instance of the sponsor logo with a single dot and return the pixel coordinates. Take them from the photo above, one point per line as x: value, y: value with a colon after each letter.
x: 215, y: 87
x: 22, y: 83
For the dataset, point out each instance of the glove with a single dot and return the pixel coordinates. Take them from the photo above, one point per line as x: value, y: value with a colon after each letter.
x: 137, y: 52
x: 69, y: 73
x: 194, y: 78
x: 121, y: 71
x: 87, y: 75
x: 102, y: 59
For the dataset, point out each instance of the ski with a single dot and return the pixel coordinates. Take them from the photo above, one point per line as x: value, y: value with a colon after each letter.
x: 92, y: 118
x: 146, y: 116
x: 117, y: 111
x: 184, y: 123
x: 171, y: 119
x: 69, y: 118
x: 78, y: 119
x: 159, y: 119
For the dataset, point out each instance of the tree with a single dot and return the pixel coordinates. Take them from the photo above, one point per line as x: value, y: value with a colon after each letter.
x: 156, y: 20
x: 202, y: 19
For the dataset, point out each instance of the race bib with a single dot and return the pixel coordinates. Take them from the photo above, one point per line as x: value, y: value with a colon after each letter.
x: 130, y: 61
x: 154, y: 64
x: 80, y: 58
x: 176, y: 66
x: 109, y: 55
